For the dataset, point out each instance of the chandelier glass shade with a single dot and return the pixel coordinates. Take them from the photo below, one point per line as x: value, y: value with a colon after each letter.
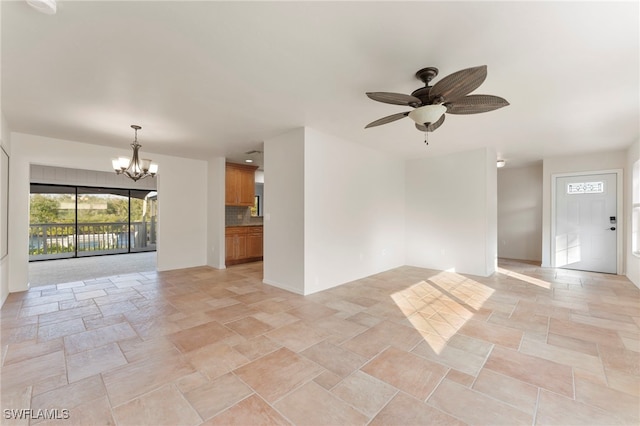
x: 135, y: 168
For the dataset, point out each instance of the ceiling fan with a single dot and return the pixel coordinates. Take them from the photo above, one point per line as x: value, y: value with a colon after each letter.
x: 450, y: 95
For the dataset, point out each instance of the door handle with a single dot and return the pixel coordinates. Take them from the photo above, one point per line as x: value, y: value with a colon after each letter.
x: 613, y: 228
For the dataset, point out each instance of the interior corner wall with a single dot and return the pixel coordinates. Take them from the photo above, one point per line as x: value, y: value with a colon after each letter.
x: 182, y: 220
x: 283, y: 256
x: 491, y: 217
x: 353, y: 211
x: 581, y: 163
x: 520, y: 213
x: 451, y: 213
x: 632, y: 261
x: 215, y: 212
x: 5, y: 142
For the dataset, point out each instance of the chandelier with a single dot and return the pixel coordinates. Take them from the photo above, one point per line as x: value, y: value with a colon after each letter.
x: 135, y: 168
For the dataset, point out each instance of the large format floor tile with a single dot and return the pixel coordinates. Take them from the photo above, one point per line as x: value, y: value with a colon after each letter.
x: 408, y: 346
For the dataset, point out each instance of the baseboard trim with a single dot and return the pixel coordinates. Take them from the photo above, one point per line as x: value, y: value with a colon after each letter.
x: 282, y: 286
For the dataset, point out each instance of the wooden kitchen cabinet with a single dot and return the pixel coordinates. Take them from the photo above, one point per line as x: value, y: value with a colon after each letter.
x: 235, y: 243
x: 254, y: 241
x: 243, y: 244
x: 239, y: 185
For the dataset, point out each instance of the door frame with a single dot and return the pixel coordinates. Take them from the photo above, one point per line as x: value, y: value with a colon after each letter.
x: 619, y: 212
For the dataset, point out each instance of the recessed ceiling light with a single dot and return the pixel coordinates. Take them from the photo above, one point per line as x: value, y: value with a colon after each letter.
x: 248, y: 161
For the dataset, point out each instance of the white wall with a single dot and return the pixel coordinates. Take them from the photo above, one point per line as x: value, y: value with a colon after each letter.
x: 66, y: 176
x: 491, y: 209
x: 632, y: 262
x: 580, y: 163
x: 451, y: 212
x: 215, y: 212
x: 353, y: 211
x: 182, y: 220
x: 182, y: 212
x: 284, y: 211
x: 520, y: 213
x: 5, y: 142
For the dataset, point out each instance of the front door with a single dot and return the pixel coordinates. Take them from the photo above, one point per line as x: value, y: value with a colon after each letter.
x: 586, y: 228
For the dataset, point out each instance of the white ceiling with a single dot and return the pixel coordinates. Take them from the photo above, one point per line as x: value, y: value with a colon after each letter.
x: 218, y: 78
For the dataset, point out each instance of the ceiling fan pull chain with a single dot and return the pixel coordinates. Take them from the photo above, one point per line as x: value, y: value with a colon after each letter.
x: 426, y: 138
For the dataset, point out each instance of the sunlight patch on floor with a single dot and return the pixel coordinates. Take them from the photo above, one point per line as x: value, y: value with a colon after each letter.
x: 438, y: 307
x: 525, y: 278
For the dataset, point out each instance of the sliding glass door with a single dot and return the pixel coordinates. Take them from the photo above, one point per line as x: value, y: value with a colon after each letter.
x: 144, y: 218
x: 103, y: 221
x: 52, y: 222
x: 76, y: 221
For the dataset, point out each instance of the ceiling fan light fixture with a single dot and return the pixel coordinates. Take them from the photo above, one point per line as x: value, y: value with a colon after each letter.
x: 429, y: 101
x: 427, y: 114
x: 45, y: 6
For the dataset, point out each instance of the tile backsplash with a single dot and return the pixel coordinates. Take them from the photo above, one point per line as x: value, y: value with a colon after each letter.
x: 237, y: 216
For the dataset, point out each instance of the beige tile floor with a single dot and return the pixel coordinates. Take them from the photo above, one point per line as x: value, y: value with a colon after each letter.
x: 405, y: 347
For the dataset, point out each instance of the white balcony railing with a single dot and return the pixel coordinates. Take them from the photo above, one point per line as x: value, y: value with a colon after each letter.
x: 51, y: 241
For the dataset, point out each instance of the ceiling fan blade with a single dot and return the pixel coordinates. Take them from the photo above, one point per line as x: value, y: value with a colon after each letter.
x: 431, y: 127
x: 387, y: 119
x: 459, y: 84
x: 474, y: 104
x: 394, y: 98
